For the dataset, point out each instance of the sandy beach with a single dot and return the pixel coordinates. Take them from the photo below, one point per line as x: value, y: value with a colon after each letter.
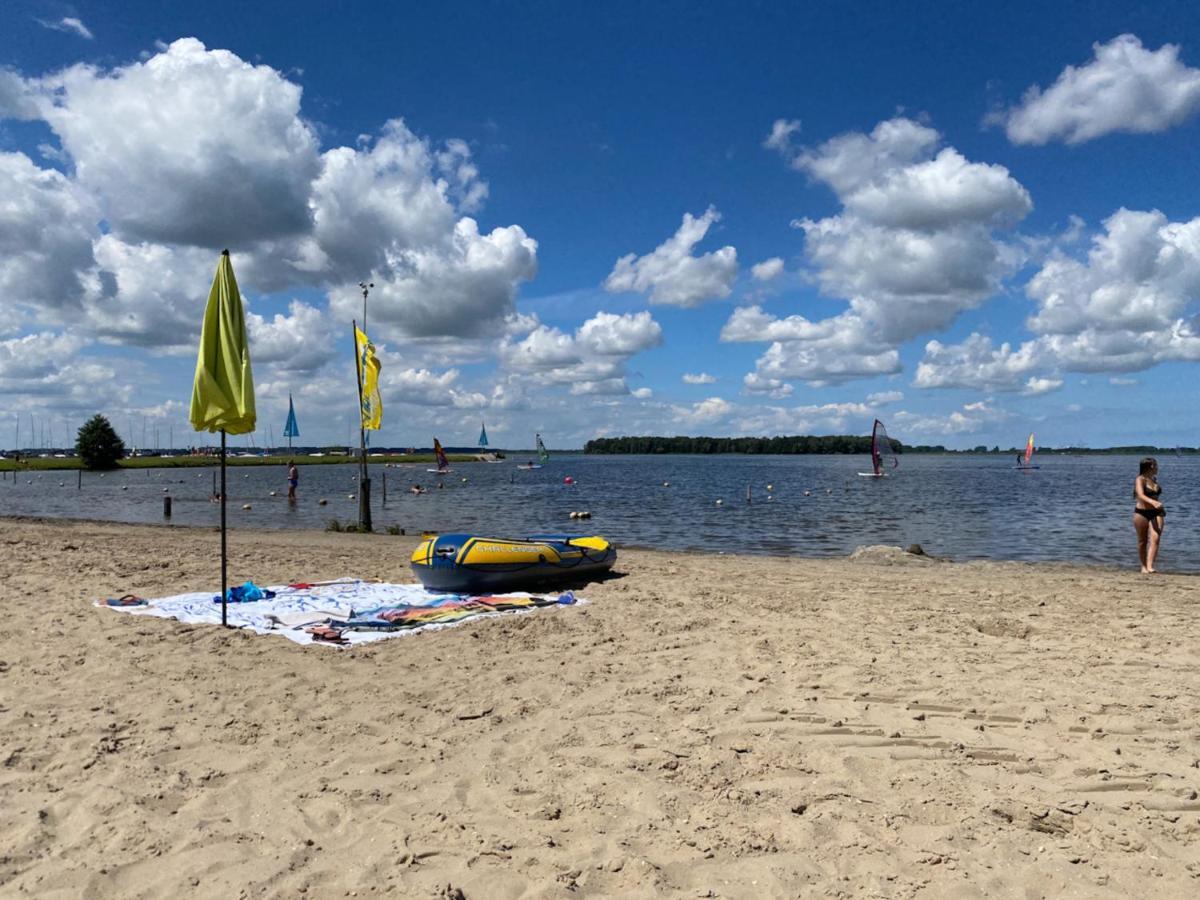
x: 706, y: 726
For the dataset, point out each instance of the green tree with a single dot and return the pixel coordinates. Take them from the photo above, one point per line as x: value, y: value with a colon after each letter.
x: 98, y: 445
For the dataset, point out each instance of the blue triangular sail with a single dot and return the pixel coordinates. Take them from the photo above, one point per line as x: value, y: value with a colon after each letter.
x: 482, y: 435
x: 291, y: 429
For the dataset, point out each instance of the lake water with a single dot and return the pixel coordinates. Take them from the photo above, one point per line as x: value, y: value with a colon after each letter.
x: 1075, y: 509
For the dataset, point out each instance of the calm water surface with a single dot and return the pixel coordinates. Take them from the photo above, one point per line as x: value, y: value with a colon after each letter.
x: 966, y: 507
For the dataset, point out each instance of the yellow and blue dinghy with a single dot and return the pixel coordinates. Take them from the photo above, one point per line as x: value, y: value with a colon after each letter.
x: 469, y: 564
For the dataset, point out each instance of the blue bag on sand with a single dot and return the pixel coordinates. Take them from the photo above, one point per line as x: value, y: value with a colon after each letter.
x: 246, y: 593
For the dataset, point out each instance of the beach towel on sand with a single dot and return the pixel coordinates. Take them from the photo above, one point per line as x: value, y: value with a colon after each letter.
x: 383, y: 610
x: 454, y: 608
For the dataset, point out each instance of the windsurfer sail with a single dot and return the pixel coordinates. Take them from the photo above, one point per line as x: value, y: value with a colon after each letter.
x: 883, y: 455
x: 291, y: 429
x: 1026, y: 460
x: 542, y: 456
x: 443, y: 464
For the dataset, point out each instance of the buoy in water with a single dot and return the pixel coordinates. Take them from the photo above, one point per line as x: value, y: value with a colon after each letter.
x: 273, y: 493
x: 322, y: 502
x: 720, y: 502
x: 585, y: 515
x: 124, y: 487
x: 574, y: 515
x: 568, y: 480
x: 61, y: 483
x: 666, y: 484
x: 246, y: 506
x: 808, y: 493
x: 770, y: 487
x: 464, y: 481
x: 349, y: 496
x: 165, y: 490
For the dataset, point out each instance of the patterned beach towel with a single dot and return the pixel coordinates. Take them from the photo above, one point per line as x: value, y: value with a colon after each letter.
x: 362, y: 611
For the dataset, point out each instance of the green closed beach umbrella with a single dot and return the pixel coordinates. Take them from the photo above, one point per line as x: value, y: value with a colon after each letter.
x: 223, y: 390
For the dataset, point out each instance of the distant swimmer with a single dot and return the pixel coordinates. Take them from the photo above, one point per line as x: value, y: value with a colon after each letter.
x: 416, y: 489
x: 1149, y: 514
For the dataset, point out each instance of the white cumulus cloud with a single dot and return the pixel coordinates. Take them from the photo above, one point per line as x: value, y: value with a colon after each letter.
x: 915, y: 244
x: 698, y: 378
x: 593, y: 360
x: 975, y: 363
x: 768, y: 269
x: 132, y: 133
x: 1125, y: 87
x: 671, y: 275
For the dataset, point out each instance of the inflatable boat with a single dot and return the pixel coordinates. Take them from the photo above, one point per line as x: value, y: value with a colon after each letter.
x: 469, y: 564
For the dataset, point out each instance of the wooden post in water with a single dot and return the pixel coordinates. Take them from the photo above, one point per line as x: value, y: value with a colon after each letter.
x: 80, y: 485
x: 748, y: 498
x: 385, y: 488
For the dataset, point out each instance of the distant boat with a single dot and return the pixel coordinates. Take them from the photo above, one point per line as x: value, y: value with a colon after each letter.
x: 883, y: 455
x: 543, y: 456
x: 482, y: 434
x: 443, y: 464
x: 1027, y: 459
x: 291, y: 429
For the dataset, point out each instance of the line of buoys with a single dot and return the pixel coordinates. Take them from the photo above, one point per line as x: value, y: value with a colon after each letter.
x: 581, y: 515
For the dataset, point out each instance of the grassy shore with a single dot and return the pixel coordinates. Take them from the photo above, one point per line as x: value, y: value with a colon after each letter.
x: 190, y: 462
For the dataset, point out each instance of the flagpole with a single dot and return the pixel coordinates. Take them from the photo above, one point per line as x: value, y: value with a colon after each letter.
x: 364, y: 483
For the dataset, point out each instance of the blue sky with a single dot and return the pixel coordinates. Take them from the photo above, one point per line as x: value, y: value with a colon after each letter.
x: 970, y: 222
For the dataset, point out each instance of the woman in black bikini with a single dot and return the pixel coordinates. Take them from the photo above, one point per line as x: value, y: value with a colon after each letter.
x: 1149, y: 515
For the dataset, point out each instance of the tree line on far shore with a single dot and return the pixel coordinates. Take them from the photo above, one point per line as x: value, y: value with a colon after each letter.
x: 787, y: 444
x: 831, y: 443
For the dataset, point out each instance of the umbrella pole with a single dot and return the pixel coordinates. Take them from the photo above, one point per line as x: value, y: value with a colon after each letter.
x: 224, y: 552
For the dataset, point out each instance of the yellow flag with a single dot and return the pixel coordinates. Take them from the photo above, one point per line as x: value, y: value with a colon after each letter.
x: 368, y: 373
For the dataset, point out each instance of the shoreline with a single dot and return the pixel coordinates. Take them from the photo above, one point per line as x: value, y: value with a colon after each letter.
x: 704, y: 726
x: 73, y: 464
x: 381, y: 533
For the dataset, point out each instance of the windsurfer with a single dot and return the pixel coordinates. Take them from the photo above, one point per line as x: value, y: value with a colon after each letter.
x: 1149, y: 514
